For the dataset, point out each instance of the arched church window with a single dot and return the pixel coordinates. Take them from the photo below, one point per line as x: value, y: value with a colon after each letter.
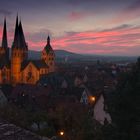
x: 29, y: 76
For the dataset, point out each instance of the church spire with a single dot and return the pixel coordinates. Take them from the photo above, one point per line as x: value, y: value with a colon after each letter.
x: 16, y: 36
x: 48, y: 40
x: 48, y: 47
x: 4, y: 38
x: 21, y: 36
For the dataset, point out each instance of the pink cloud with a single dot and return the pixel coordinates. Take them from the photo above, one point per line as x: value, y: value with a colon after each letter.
x: 120, y: 40
x: 1, y: 32
x: 111, y: 41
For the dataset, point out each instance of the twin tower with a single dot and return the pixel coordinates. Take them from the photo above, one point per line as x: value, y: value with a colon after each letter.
x: 19, y: 69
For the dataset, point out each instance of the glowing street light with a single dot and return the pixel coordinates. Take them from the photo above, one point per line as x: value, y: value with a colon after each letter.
x: 92, y: 98
x: 61, y: 133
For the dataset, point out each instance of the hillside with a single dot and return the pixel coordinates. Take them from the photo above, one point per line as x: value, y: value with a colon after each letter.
x: 62, y: 55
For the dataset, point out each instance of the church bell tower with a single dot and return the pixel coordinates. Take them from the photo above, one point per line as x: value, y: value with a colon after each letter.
x: 19, y: 53
x: 48, y: 56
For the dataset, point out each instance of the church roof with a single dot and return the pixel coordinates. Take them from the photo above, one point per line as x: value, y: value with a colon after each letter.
x: 4, y: 38
x: 37, y: 63
x: 21, y: 36
x: 19, y: 39
x: 16, y: 36
x: 4, y: 62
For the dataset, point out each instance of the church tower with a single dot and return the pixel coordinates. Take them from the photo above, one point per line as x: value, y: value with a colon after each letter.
x: 48, y: 56
x: 4, y: 58
x: 19, y: 53
x: 4, y: 50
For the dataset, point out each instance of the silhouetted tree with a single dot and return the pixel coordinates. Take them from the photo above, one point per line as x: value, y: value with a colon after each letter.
x: 125, y: 105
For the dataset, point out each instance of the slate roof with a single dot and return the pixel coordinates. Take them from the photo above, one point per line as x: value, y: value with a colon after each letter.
x: 37, y: 63
x: 19, y: 39
x: 4, y: 38
x: 34, y: 96
x: 31, y: 90
x: 77, y: 92
x: 4, y: 62
x: 13, y: 132
x: 53, y: 79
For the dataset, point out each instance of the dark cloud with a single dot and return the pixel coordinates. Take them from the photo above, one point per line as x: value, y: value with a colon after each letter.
x: 132, y: 11
x: 134, y: 6
x: 5, y: 12
x: 121, y: 27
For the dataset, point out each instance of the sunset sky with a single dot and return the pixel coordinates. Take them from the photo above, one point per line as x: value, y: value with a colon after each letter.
x: 82, y: 26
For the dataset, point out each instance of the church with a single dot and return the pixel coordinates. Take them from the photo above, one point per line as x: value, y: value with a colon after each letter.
x: 15, y: 67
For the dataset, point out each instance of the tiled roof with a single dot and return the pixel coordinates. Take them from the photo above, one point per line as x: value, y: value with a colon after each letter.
x: 12, y: 132
x: 36, y: 96
x: 31, y: 90
x: 4, y: 62
x: 37, y: 63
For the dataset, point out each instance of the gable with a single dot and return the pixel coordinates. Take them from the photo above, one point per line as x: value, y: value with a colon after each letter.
x: 5, y: 68
x: 99, y: 113
x: 30, y: 66
x: 4, y: 64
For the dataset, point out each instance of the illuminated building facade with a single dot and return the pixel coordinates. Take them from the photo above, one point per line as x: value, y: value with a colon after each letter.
x: 17, y: 68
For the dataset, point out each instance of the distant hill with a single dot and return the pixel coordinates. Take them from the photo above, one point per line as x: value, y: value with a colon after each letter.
x: 59, y: 54
x: 62, y: 55
x: 34, y: 54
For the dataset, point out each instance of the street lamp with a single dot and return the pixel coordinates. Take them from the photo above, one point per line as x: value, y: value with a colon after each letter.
x: 61, y: 133
x: 92, y: 99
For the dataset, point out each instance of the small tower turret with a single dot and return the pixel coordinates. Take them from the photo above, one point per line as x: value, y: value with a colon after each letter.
x: 48, y: 56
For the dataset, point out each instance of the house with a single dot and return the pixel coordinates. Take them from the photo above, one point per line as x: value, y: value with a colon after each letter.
x: 64, y: 84
x: 85, y: 79
x: 84, y: 98
x: 99, y: 110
